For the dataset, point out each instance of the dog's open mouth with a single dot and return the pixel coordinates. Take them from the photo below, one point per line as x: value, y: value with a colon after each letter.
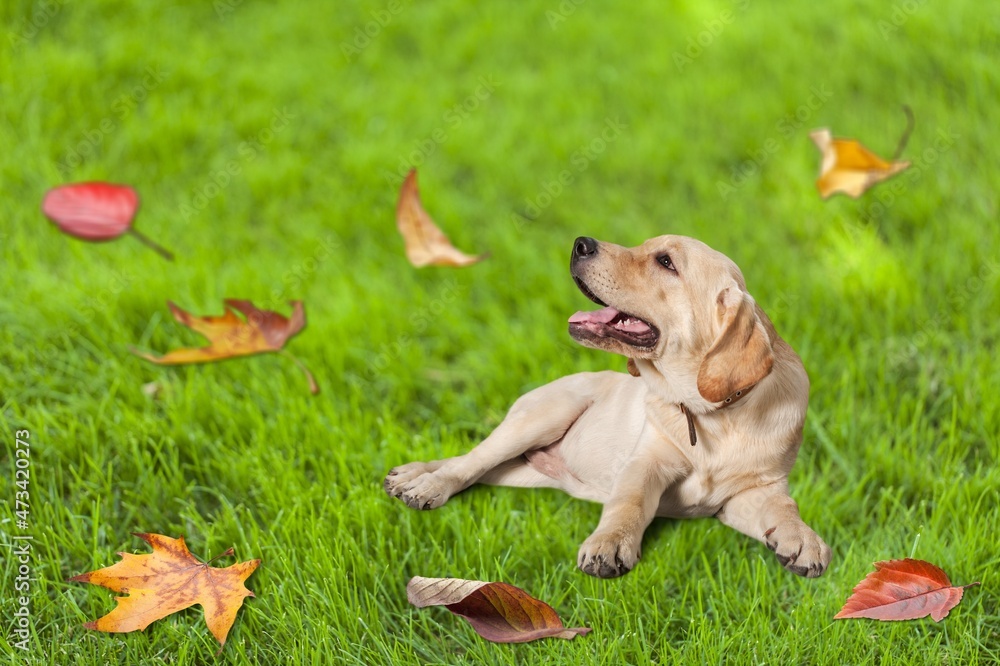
x: 610, y: 322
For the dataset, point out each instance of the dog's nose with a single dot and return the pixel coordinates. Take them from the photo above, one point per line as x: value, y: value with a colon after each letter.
x: 584, y: 246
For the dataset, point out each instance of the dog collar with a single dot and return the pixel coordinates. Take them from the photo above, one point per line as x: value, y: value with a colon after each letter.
x: 633, y: 370
x: 735, y: 397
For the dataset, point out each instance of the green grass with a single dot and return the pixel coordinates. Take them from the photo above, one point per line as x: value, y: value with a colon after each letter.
x: 893, y: 309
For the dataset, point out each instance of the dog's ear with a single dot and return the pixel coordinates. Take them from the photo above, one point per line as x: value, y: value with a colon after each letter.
x: 632, y: 368
x: 741, y: 355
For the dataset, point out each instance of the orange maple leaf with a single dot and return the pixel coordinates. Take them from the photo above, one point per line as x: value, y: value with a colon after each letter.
x: 230, y: 336
x: 848, y: 166
x: 168, y: 580
x: 426, y: 244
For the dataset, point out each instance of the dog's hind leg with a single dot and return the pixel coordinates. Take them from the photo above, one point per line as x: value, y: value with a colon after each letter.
x: 536, y: 420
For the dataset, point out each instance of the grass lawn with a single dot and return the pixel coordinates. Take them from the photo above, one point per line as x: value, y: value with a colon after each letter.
x: 268, y: 146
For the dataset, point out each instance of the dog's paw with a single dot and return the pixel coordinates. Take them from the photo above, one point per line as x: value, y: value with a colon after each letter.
x: 798, y: 549
x: 419, y: 485
x: 608, y: 554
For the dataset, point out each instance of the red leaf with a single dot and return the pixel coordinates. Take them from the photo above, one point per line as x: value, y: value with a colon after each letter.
x: 498, y: 612
x: 903, y: 590
x: 92, y: 211
x: 97, y: 212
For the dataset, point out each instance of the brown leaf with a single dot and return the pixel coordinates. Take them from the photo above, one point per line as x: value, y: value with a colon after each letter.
x: 230, y: 336
x: 903, y: 590
x: 168, y: 580
x: 848, y: 166
x: 426, y: 245
x: 498, y: 612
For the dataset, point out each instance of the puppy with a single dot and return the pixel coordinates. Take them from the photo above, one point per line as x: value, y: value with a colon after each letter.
x: 709, y: 423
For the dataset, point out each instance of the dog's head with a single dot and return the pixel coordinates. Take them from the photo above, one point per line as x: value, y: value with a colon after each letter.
x: 676, y: 303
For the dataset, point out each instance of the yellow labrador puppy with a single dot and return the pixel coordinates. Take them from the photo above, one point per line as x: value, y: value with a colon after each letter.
x: 709, y: 423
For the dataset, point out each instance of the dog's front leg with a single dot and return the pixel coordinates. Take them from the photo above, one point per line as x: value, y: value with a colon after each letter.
x: 615, y: 546
x: 770, y: 515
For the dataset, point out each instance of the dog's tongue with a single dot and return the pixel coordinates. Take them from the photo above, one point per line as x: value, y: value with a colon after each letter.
x: 602, y: 316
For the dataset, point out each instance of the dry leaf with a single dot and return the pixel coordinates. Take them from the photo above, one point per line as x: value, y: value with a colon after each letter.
x: 168, y: 580
x: 498, y: 612
x: 96, y: 211
x: 903, y: 590
x: 263, y: 331
x: 426, y: 245
x: 848, y: 166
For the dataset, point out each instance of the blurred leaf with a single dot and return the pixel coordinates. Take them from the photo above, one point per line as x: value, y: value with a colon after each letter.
x: 426, y: 244
x: 849, y: 167
x: 263, y: 331
x: 96, y: 211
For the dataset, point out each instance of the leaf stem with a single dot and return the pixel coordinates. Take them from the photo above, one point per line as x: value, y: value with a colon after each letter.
x: 145, y: 240
x: 229, y: 551
x: 313, y: 386
x: 910, y: 122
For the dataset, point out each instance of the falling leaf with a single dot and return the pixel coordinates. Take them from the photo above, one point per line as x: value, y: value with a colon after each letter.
x: 96, y: 212
x: 262, y: 331
x: 903, y: 590
x: 168, y: 580
x: 848, y: 166
x: 426, y: 245
x: 498, y: 612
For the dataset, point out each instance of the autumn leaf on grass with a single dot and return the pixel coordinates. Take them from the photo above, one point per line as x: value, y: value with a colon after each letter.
x: 168, y: 580
x: 498, y: 612
x: 848, y: 166
x: 230, y: 336
x: 96, y: 212
x: 426, y: 245
x: 903, y: 590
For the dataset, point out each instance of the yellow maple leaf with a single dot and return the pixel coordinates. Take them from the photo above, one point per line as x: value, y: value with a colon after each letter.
x: 168, y: 580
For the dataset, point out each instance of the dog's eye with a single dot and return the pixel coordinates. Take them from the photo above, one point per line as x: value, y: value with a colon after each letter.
x: 664, y: 260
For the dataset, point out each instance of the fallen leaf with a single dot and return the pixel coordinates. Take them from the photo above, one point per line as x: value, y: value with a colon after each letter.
x: 848, y: 166
x: 498, y: 612
x: 96, y: 211
x: 426, y: 244
x: 262, y: 331
x: 168, y: 580
x: 903, y: 590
